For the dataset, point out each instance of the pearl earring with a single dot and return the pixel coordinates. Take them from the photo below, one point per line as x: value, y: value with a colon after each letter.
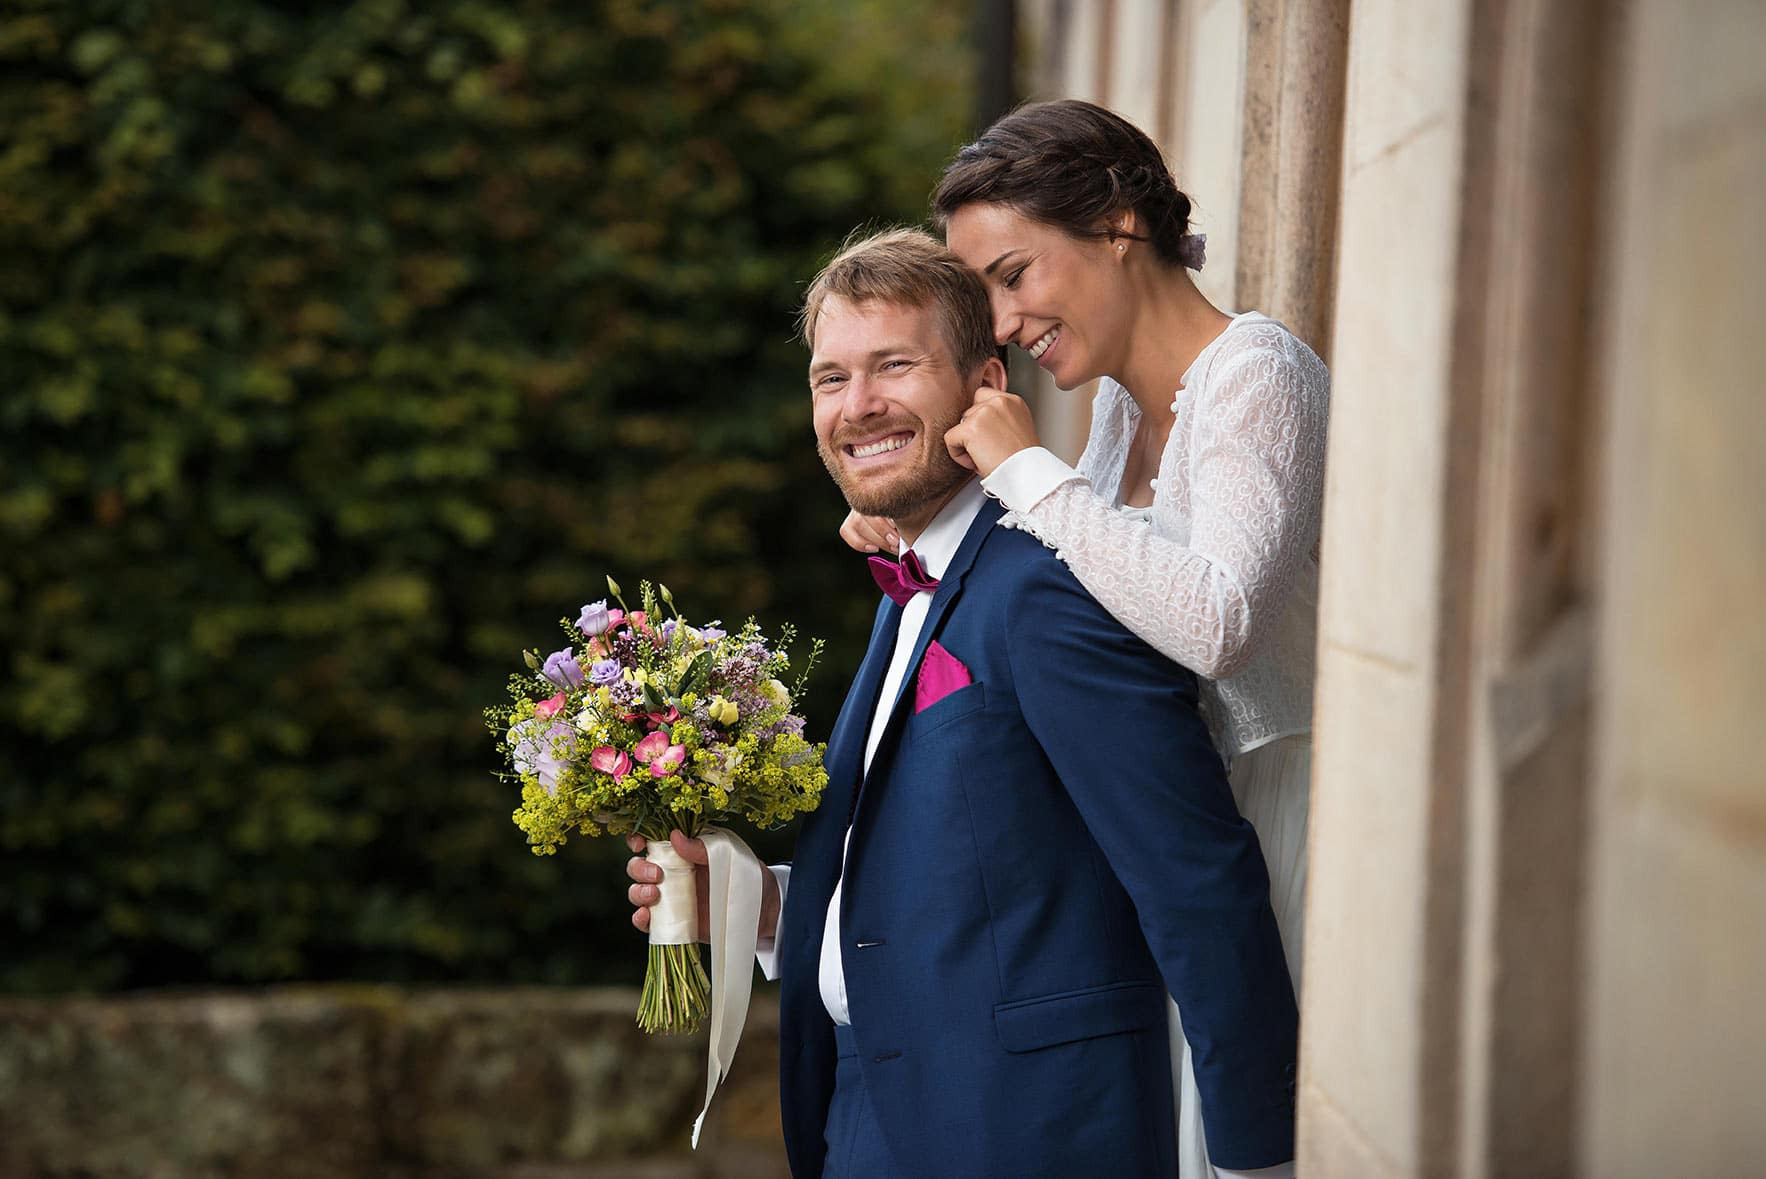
x: 1120, y: 247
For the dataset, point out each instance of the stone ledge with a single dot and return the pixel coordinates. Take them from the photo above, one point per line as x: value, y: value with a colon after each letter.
x: 339, y: 1082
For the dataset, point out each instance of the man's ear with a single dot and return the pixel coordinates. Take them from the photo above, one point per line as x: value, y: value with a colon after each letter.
x: 1123, y: 223
x: 993, y: 374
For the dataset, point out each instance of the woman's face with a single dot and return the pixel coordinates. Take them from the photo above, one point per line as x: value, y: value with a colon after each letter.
x: 1062, y: 299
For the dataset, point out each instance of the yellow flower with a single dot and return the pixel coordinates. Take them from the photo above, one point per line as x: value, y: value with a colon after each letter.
x: 724, y: 712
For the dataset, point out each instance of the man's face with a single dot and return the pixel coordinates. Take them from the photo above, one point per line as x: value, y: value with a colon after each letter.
x: 885, y: 389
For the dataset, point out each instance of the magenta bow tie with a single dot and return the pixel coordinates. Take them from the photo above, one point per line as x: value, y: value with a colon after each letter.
x: 901, y: 580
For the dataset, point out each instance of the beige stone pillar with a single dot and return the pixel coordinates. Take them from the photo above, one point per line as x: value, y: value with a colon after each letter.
x: 1380, y: 1008
x: 1206, y: 150
x: 1291, y: 160
x: 1676, y: 995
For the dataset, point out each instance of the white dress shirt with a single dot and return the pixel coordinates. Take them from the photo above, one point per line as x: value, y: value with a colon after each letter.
x: 935, y: 546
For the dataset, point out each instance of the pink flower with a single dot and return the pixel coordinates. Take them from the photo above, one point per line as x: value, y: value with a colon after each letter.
x: 662, y: 758
x: 610, y: 761
x: 651, y: 747
x: 614, y: 618
x: 665, y: 718
x: 669, y: 762
x: 548, y: 707
x: 640, y: 621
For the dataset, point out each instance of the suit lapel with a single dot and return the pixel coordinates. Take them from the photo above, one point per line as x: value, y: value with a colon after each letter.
x: 949, y: 587
x: 846, y: 743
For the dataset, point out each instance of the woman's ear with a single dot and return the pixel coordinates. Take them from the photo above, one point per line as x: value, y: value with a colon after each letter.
x: 1123, y: 223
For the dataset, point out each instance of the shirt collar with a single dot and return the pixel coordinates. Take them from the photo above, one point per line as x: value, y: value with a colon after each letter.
x: 940, y: 539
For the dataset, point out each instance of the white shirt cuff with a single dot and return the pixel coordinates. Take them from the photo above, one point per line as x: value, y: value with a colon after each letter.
x: 1027, y: 478
x: 1279, y: 1171
x: 766, y: 950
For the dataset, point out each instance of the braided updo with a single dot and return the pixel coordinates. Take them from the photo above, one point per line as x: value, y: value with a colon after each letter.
x: 1071, y: 165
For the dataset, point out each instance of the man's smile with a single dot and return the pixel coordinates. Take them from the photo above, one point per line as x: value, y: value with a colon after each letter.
x: 877, y: 447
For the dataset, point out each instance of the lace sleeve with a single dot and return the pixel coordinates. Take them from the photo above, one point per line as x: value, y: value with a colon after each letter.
x: 1256, y: 476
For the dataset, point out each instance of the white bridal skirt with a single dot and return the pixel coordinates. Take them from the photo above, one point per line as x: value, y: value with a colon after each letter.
x: 1272, y: 785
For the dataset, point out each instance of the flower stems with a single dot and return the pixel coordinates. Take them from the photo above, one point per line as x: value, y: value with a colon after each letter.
x: 677, y: 992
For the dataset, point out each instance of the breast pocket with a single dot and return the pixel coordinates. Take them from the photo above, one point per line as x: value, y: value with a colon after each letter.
x: 969, y: 698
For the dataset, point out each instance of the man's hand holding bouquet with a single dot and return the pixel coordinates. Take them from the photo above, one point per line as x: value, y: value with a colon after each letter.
x: 646, y: 725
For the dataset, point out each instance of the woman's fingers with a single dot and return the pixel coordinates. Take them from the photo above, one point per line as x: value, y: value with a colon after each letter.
x: 956, y: 441
x: 868, y: 534
x: 991, y: 431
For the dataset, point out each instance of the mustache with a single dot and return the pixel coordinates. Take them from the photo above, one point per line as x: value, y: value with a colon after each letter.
x: 847, y: 435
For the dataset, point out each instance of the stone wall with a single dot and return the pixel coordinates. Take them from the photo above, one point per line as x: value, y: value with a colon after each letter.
x: 375, y: 1081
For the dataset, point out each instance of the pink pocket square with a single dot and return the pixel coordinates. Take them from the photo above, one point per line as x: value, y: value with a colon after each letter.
x: 941, y: 673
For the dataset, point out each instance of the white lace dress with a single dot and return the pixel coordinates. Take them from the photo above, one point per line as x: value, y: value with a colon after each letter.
x: 1220, y: 574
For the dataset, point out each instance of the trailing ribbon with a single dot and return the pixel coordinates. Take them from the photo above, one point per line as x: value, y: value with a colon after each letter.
x: 735, y: 875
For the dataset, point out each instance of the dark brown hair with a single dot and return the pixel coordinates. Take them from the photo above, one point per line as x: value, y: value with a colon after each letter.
x: 907, y: 268
x: 1071, y: 165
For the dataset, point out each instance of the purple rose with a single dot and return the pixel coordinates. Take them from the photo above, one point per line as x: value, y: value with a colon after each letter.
x: 604, y: 672
x: 595, y: 619
x: 563, y: 669
x: 667, y: 631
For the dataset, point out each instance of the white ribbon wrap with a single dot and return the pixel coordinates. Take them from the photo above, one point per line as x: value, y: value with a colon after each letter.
x: 673, y: 921
x: 735, y: 874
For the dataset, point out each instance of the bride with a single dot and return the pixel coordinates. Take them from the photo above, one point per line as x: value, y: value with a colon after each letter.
x: 1193, y: 515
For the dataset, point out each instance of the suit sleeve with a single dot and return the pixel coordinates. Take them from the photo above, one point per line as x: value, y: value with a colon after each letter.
x: 1120, y: 725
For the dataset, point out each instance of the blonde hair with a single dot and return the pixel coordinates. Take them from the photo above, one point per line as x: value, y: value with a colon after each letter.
x: 907, y: 268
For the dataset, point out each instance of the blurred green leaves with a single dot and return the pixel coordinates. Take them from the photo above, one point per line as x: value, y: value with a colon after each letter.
x: 345, y: 347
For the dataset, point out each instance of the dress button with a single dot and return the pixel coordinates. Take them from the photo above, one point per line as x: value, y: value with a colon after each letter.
x: 1174, y: 406
x: 1153, y: 483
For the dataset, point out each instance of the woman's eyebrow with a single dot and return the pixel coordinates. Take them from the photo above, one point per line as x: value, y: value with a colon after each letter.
x: 995, y: 264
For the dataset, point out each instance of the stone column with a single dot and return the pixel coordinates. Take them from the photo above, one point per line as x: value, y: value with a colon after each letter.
x: 1378, y: 1065
x: 1676, y: 998
x: 1292, y: 155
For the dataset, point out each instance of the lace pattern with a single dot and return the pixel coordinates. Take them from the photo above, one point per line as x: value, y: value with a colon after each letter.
x: 1222, y: 579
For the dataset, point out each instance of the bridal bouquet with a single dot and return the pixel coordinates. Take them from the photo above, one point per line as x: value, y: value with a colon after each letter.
x: 649, y: 724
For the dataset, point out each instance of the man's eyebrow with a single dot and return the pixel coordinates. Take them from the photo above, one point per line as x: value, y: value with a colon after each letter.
x: 872, y: 356
x: 995, y: 264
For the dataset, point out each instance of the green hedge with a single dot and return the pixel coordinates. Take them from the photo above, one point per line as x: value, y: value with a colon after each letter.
x: 346, y: 347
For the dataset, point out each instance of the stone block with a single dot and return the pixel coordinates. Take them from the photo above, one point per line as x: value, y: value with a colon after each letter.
x: 1675, y: 1030
x: 188, y: 1087
x: 1360, y: 1031
x: 1407, y: 69
x: 1389, y: 401
x: 1210, y: 153
x: 341, y: 1082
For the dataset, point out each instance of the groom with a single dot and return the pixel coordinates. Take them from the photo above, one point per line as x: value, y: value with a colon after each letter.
x: 1027, y: 838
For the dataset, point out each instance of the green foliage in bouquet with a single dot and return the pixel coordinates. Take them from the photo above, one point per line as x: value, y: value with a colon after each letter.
x: 658, y: 726
x: 339, y: 343
x: 669, y: 727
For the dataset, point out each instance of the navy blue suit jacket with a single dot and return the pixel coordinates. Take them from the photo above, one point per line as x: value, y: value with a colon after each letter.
x: 1036, y: 859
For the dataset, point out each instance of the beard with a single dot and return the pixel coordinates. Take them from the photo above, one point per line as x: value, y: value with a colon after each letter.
x: 917, y: 486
